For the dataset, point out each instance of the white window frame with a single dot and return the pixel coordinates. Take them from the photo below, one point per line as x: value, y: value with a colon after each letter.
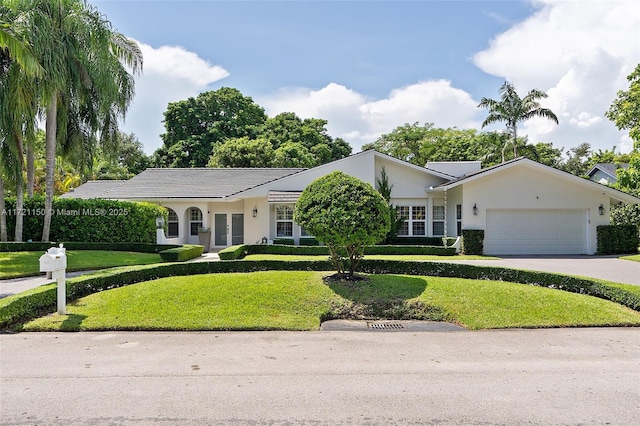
x: 437, y: 218
x: 173, y: 221
x: 284, y: 216
x: 409, y: 213
x: 195, y: 221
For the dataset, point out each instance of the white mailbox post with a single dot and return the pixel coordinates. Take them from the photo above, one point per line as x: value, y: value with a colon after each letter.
x: 55, y: 261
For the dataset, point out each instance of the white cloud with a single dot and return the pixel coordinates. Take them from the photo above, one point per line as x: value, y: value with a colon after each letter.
x: 170, y: 74
x: 580, y: 54
x: 359, y: 120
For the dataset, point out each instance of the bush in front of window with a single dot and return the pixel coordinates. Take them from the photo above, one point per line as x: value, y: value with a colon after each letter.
x: 346, y: 214
x: 284, y: 241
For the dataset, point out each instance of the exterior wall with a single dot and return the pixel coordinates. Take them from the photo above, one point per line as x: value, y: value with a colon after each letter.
x: 407, y: 182
x: 523, y: 187
x: 255, y: 228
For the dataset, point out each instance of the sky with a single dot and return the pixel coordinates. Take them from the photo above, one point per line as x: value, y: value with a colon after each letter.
x: 368, y: 67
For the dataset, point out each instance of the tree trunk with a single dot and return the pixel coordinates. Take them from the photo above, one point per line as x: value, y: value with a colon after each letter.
x: 3, y: 215
x: 19, y: 210
x: 515, y: 142
x: 50, y: 158
x: 31, y: 170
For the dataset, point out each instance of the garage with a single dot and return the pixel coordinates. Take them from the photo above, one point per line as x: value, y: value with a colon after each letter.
x: 543, y: 231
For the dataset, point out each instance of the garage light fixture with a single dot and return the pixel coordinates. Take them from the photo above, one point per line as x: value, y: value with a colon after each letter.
x: 475, y: 209
x: 254, y: 213
x: 601, y: 209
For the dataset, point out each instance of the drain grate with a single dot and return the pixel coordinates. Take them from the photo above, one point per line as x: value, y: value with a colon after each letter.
x: 384, y: 326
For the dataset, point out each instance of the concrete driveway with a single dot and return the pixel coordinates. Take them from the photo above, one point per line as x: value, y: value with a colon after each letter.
x: 503, y: 377
x: 609, y: 268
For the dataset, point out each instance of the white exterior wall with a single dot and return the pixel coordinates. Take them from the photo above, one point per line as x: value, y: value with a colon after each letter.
x: 255, y: 228
x: 522, y: 187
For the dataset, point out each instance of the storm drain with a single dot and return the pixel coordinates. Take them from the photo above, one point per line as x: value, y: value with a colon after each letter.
x: 384, y: 326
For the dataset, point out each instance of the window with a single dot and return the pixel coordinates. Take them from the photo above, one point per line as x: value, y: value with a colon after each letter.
x: 459, y: 219
x: 195, y: 220
x: 284, y: 221
x: 415, y: 221
x: 172, y: 224
x: 438, y: 221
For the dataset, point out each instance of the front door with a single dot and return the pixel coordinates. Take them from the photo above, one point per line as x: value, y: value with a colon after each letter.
x: 222, y: 229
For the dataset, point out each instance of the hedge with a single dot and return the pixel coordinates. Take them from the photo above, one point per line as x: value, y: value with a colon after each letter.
x: 181, y: 253
x: 416, y: 241
x: 472, y: 241
x: 617, y: 239
x: 239, y: 252
x: 36, y: 302
x: 94, y: 220
x: 76, y: 245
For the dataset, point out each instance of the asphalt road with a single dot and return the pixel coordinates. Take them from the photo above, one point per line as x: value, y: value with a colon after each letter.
x: 514, y: 377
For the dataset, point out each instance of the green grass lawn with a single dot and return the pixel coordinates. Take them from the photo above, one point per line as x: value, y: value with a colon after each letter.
x: 633, y: 257
x: 417, y: 257
x: 27, y: 263
x: 298, y: 300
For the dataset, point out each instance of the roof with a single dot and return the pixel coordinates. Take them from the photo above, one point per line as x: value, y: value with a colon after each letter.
x: 613, y: 193
x: 195, y: 183
x: 283, y: 196
x: 608, y: 168
x: 93, y: 189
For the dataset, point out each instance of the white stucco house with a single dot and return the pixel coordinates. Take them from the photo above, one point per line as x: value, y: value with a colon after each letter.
x: 524, y: 207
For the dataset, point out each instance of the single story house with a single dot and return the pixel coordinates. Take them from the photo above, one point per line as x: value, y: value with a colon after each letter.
x: 605, y: 173
x: 524, y: 207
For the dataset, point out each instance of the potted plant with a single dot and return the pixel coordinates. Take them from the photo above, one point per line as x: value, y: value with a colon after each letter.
x: 204, y: 238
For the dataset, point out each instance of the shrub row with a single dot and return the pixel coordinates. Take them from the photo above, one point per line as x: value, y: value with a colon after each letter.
x: 181, y: 253
x: 28, y: 305
x: 617, y: 239
x: 94, y: 220
x: 416, y: 241
x: 239, y: 252
x: 76, y: 245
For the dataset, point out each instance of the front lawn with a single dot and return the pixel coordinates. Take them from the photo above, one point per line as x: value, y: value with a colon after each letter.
x: 298, y: 300
x: 633, y: 257
x: 27, y: 263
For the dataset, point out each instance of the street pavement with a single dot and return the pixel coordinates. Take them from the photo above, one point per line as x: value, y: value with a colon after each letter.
x: 502, y: 377
x: 604, y: 267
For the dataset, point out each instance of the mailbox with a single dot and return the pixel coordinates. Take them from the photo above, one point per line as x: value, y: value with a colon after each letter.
x: 54, y: 259
x: 54, y: 262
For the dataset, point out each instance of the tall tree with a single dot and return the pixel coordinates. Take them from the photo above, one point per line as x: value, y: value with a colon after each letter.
x: 512, y: 109
x: 195, y: 126
x: 87, y: 82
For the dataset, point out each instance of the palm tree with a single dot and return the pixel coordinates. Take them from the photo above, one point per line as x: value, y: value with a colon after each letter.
x: 511, y: 109
x: 86, y: 85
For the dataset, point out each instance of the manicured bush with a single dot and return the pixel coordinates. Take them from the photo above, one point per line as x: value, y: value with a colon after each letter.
x: 410, y: 250
x: 182, y: 253
x: 472, y: 241
x: 33, y: 303
x: 617, y: 239
x: 416, y: 241
x: 94, y: 220
x: 309, y: 241
x: 284, y: 241
x: 233, y: 252
x: 73, y: 245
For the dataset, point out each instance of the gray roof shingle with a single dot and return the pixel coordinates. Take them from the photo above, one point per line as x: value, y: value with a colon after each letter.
x: 93, y: 189
x: 195, y: 183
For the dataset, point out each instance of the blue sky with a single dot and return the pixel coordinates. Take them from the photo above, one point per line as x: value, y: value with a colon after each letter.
x: 370, y: 66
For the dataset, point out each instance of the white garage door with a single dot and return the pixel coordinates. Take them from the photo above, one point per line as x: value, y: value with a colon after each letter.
x: 545, y: 231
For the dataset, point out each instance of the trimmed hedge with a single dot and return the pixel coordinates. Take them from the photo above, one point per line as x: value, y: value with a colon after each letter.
x: 284, y: 241
x: 75, y: 245
x: 33, y: 303
x: 94, y: 220
x: 239, y: 252
x: 309, y: 241
x: 617, y: 239
x: 416, y: 241
x: 472, y: 241
x: 181, y: 253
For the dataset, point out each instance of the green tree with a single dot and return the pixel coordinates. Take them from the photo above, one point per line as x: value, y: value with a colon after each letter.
x: 293, y: 154
x: 344, y: 213
x: 195, y: 127
x: 512, y: 109
x: 127, y: 161
x: 86, y: 84
x: 384, y: 188
x: 625, y: 109
x: 577, y: 161
x: 243, y: 153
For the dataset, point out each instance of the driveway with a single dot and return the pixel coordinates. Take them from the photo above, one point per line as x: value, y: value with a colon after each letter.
x: 503, y: 377
x: 603, y: 267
